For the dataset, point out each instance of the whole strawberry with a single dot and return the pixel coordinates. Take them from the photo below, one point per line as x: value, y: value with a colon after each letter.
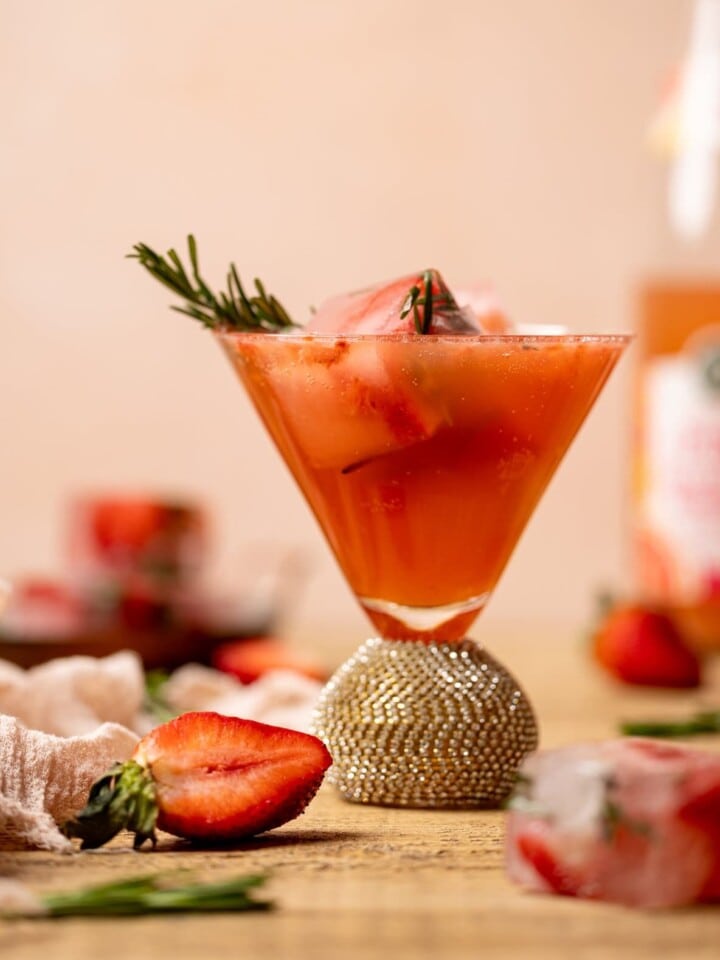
x: 207, y: 777
x: 639, y: 645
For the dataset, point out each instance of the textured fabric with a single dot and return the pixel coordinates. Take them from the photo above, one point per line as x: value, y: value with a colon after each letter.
x: 45, y: 779
x: 73, y: 695
x: 281, y: 697
x: 64, y: 723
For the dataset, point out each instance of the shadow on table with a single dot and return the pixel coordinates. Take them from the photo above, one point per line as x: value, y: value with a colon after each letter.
x: 269, y: 841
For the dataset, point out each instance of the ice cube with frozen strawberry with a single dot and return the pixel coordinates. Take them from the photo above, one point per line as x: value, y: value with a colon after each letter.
x: 343, y: 403
x: 349, y: 401
x: 417, y: 303
x: 631, y: 821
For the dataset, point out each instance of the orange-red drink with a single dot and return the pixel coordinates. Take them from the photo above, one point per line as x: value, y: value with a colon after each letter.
x: 422, y: 437
x: 422, y: 457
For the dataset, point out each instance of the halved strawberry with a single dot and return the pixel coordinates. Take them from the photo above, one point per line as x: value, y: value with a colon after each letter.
x: 204, y: 776
x: 418, y: 303
x: 642, y: 646
x: 250, y: 659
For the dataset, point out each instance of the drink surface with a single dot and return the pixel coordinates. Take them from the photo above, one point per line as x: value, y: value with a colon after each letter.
x: 422, y: 457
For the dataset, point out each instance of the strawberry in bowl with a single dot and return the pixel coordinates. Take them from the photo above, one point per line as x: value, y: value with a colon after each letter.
x: 135, y: 558
x: 159, y: 542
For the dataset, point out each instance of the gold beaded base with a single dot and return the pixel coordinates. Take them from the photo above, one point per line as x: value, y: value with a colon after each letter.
x: 424, y: 725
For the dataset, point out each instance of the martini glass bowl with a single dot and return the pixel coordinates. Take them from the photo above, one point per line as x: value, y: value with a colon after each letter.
x: 423, y: 458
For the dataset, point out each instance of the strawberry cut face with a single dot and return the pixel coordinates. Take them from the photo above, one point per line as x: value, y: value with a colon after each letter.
x: 223, y: 778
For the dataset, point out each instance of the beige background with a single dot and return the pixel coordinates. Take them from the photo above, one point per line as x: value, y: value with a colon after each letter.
x: 321, y: 144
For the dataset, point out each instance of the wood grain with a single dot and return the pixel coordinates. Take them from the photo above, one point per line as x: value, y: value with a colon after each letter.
x: 356, y: 882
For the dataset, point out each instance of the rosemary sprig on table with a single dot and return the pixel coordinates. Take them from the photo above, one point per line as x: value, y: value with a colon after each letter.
x: 707, y: 721
x: 231, y: 309
x: 423, y: 296
x: 159, y: 893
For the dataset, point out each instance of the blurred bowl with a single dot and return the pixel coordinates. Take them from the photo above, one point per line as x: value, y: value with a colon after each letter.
x: 167, y: 648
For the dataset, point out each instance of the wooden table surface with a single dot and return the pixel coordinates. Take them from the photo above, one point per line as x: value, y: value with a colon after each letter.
x: 358, y: 882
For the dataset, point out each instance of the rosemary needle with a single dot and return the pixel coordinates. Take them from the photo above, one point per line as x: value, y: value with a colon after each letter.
x: 229, y: 309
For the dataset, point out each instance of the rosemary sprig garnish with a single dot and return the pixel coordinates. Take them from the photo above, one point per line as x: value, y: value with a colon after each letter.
x: 159, y: 893
x: 707, y: 721
x: 423, y: 296
x: 231, y: 309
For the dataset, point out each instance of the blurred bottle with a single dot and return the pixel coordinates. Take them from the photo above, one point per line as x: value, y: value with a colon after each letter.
x: 676, y: 483
x: 677, y: 461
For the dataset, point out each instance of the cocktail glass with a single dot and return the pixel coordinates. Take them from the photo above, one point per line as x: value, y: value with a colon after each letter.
x: 422, y: 458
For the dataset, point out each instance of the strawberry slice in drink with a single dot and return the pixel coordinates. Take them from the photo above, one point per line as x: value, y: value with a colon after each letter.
x: 630, y: 821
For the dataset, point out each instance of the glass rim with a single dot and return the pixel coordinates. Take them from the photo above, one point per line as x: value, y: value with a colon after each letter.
x: 411, y: 337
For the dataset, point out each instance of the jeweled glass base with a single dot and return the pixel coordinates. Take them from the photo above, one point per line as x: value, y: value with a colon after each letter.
x: 425, y: 725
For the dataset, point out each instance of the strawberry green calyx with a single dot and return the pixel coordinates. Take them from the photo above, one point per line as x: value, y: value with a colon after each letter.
x: 124, y: 798
x: 229, y: 309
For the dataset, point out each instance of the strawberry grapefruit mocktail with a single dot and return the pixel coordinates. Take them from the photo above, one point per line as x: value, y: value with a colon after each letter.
x: 422, y: 431
x: 422, y: 457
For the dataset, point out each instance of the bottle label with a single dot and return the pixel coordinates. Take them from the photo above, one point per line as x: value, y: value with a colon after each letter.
x: 679, y: 503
